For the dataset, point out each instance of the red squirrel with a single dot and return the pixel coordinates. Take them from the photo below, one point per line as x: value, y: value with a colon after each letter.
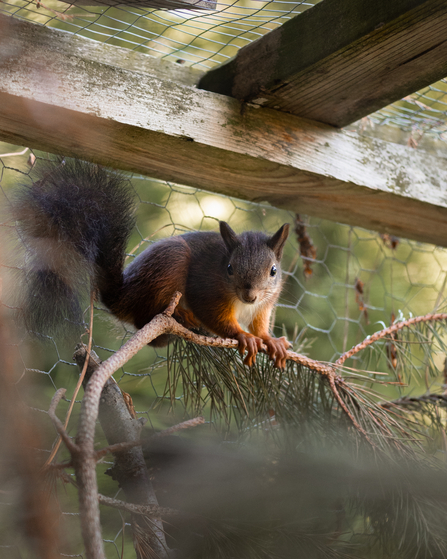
x: 75, y: 221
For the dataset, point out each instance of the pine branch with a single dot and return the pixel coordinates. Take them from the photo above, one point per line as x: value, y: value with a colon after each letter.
x: 387, y: 332
x: 145, y: 510
x: 208, y: 376
x: 356, y: 404
x: 416, y: 401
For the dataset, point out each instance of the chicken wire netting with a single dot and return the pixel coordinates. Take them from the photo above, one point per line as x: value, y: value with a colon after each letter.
x: 197, y: 38
x: 206, y: 38
x: 341, y: 285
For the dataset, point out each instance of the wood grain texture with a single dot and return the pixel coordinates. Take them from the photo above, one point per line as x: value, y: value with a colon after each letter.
x: 56, y: 96
x: 341, y: 60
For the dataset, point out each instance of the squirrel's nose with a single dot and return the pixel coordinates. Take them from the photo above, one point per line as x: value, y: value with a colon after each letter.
x: 249, y: 297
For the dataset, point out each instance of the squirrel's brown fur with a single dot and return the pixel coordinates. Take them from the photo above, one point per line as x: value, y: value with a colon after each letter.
x: 226, y: 279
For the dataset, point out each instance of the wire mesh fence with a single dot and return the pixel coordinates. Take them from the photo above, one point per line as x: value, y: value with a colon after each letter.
x: 420, y: 115
x: 341, y: 285
x: 206, y: 38
x: 201, y: 39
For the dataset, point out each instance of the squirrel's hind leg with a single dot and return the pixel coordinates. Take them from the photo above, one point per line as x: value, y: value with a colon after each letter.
x: 151, y: 280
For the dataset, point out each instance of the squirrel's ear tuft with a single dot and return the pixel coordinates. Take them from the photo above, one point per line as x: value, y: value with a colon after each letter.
x: 229, y: 236
x: 277, y: 241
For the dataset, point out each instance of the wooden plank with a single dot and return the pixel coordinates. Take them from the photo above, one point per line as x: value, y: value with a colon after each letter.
x: 341, y: 60
x: 57, y: 96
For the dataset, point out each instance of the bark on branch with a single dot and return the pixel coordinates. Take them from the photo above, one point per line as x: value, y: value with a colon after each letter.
x: 122, y: 431
x: 84, y: 456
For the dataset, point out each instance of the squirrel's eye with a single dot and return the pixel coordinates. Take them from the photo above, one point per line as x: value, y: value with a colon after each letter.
x: 230, y: 270
x: 273, y: 271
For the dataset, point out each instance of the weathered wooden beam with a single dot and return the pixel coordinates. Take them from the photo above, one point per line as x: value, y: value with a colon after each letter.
x: 341, y: 60
x: 70, y: 95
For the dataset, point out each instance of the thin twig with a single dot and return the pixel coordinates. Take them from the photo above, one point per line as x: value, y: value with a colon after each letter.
x: 172, y: 305
x: 60, y: 465
x: 72, y: 447
x: 78, y: 385
x: 387, y: 331
x: 179, y: 427
x: 119, y: 447
x: 411, y: 400
x: 145, y: 510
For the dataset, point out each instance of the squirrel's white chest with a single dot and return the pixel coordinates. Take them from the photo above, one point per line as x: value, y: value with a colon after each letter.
x: 245, y: 313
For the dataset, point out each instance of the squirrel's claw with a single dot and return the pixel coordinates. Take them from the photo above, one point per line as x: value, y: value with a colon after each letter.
x: 277, y: 350
x: 249, y: 343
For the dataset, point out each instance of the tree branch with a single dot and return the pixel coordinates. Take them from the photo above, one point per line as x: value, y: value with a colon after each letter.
x: 416, y: 401
x: 83, y: 454
x: 387, y: 332
x: 78, y: 385
x: 119, y: 447
x: 144, y: 510
x: 72, y: 447
x: 123, y: 430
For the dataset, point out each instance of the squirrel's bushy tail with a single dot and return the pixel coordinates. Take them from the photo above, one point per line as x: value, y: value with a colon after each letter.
x: 75, y: 221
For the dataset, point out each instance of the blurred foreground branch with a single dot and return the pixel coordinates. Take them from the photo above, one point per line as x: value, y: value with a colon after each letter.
x: 27, y: 512
x: 84, y: 456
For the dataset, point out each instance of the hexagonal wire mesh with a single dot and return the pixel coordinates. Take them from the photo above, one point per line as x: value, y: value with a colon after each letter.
x: 356, y: 281
x: 348, y: 285
x: 206, y: 38
x: 197, y: 38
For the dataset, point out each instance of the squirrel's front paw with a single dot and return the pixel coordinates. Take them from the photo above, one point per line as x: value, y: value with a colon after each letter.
x: 277, y: 350
x: 250, y: 343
